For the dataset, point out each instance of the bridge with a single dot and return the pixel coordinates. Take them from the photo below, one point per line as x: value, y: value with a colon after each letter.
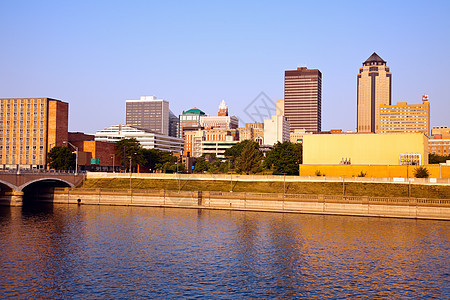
x: 15, y: 187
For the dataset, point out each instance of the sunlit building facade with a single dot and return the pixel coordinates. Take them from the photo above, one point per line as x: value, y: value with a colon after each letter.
x: 303, y: 99
x: 374, y: 84
x: 29, y: 128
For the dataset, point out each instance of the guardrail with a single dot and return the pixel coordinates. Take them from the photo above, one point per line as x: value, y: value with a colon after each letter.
x: 42, y: 171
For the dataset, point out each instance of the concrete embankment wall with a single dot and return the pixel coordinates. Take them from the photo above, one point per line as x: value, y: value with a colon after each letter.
x: 293, y: 203
x: 271, y: 178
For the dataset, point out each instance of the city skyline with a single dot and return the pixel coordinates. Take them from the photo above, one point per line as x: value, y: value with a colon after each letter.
x: 97, y: 55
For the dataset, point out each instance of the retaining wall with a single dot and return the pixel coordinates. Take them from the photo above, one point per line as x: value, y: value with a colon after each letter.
x: 294, y: 203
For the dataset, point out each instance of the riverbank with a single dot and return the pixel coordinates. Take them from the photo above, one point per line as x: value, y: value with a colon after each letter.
x: 342, y: 188
x: 415, y: 208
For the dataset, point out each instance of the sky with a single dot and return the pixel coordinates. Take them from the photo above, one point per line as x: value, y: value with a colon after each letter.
x: 95, y: 55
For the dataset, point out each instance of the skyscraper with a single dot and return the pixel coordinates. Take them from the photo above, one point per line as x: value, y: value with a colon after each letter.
x: 303, y: 99
x: 148, y: 113
x: 374, y: 89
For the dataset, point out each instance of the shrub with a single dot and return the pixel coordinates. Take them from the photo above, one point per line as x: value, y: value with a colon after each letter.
x: 421, y: 172
x: 318, y: 173
x: 362, y: 174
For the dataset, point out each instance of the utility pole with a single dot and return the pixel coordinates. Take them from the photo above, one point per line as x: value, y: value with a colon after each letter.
x: 76, y: 155
x: 130, y: 172
x: 114, y: 169
x: 231, y: 182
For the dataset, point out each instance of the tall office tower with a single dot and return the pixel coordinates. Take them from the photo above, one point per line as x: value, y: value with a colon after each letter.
x: 374, y: 89
x: 189, y: 120
x: 29, y: 128
x: 149, y: 113
x: 174, y: 123
x: 303, y: 99
x: 223, y: 109
x: 405, y: 118
x: 280, y: 108
x: 222, y: 121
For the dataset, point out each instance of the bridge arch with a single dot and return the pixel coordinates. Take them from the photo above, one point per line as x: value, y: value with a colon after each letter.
x: 8, y: 184
x: 45, y: 179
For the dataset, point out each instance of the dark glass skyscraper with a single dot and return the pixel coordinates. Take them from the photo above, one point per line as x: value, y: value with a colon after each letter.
x: 303, y: 99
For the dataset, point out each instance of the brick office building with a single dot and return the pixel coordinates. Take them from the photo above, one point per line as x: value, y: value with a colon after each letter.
x: 29, y: 127
x: 94, y: 155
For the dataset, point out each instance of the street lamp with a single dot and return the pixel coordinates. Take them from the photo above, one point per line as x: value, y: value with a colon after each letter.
x: 130, y: 169
x: 113, y: 156
x: 76, y: 155
x: 48, y: 151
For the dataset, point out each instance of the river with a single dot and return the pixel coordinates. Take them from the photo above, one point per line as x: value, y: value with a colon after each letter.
x: 105, y: 252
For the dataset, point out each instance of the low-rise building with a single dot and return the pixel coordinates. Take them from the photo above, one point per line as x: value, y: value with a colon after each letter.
x: 444, y: 131
x: 94, y: 155
x: 296, y: 137
x: 252, y: 131
x: 439, y: 146
x: 365, y: 149
x: 217, y: 148
x: 147, y: 139
x: 195, y: 141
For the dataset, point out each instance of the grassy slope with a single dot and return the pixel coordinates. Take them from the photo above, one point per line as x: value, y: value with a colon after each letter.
x: 326, y: 188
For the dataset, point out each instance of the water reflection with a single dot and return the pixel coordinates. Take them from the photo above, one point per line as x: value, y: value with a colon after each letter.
x: 73, y: 251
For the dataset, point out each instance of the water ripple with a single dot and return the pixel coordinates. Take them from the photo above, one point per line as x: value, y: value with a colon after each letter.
x: 92, y: 252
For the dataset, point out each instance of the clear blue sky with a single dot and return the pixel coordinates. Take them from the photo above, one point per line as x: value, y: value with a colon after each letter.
x: 97, y: 54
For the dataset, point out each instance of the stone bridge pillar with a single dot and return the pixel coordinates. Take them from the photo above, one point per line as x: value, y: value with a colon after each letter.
x: 16, y: 198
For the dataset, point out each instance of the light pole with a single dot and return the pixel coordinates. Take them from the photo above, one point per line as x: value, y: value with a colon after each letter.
x: 130, y: 172
x: 19, y: 161
x: 48, y: 151
x: 76, y: 155
x: 113, y: 156
x: 231, y: 181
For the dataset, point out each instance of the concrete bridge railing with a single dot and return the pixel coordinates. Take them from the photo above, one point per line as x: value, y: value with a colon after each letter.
x: 12, y: 184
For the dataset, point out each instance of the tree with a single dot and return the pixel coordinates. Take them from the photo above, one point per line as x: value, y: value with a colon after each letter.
x: 250, y: 159
x: 234, y: 152
x: 155, y: 159
x: 201, y: 165
x: 150, y: 158
x: 285, y: 158
x: 61, y: 158
x: 437, y: 159
x: 127, y: 148
x: 421, y: 172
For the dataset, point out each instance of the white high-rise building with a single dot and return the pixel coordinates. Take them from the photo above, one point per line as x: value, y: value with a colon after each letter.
x: 276, y: 129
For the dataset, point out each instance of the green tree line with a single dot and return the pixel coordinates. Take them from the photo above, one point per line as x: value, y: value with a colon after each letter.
x: 245, y: 157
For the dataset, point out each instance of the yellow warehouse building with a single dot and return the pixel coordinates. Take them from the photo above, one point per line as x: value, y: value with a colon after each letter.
x: 375, y: 155
x: 364, y: 149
